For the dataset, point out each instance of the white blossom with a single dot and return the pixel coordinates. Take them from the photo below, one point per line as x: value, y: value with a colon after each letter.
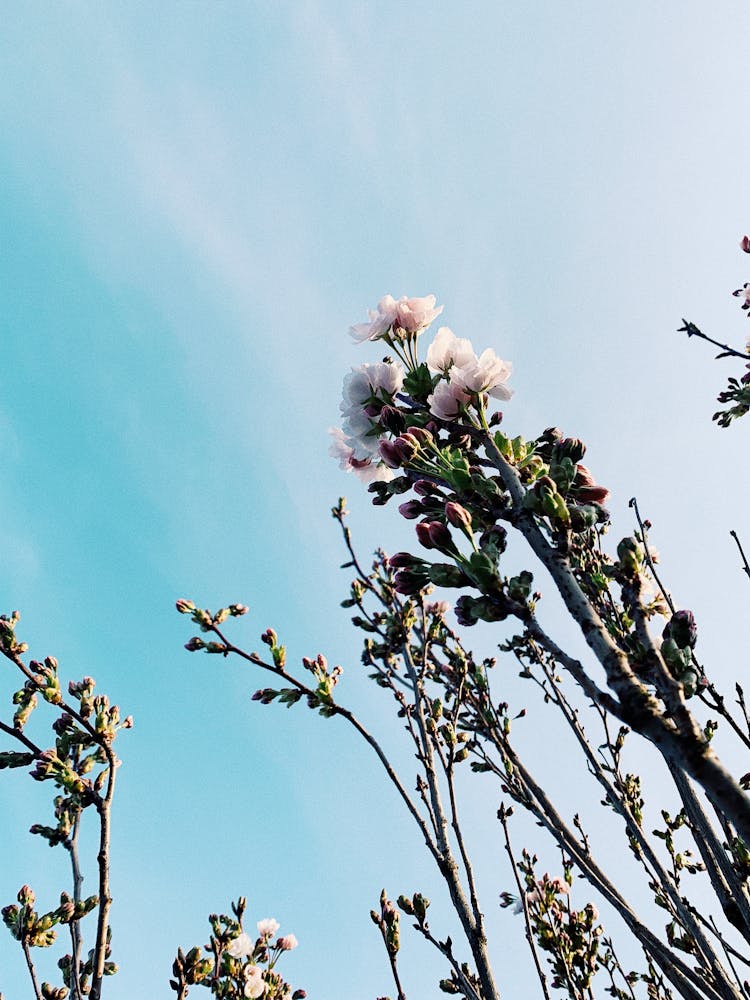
x: 267, y: 927
x: 241, y: 946
x: 255, y: 985
x: 447, y: 349
x: 488, y: 374
x: 410, y: 315
x: 365, y: 388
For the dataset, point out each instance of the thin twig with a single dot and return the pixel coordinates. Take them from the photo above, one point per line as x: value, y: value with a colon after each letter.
x: 30, y: 966
x: 745, y: 565
x: 692, y: 331
x: 502, y: 815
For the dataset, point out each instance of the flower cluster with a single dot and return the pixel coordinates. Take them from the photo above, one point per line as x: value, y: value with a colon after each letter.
x: 466, y: 375
x: 378, y: 397
x: 241, y: 966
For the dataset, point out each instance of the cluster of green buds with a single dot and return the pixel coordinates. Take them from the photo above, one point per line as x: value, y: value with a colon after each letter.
x: 208, y: 622
x: 37, y: 930
x: 46, y: 679
x: 86, y: 968
x: 415, y: 906
x: 387, y: 922
x: 325, y: 681
x: 9, y: 644
x: 560, y: 488
x: 442, y: 726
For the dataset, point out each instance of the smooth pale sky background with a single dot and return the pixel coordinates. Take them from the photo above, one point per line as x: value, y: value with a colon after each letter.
x: 196, y: 201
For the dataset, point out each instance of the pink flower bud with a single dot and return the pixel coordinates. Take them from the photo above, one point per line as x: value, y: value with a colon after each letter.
x: 745, y: 244
x: 422, y: 435
x: 287, y: 943
x: 407, y: 446
x: 400, y: 560
x: 185, y: 607
x: 26, y: 895
x: 390, y: 454
x: 458, y: 516
x: 440, y: 536
x: 593, y: 494
x: 423, y: 534
x: 424, y: 488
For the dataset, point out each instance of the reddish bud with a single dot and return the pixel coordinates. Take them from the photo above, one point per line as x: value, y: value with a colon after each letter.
x: 411, y: 510
x: 424, y: 488
x: 458, y: 516
x: 401, y: 560
x: 593, y: 494
x: 440, y: 536
x: 423, y: 534
x: 389, y: 454
x: 422, y: 435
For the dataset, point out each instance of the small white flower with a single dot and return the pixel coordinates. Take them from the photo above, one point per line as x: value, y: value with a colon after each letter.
x: 364, y: 385
x: 241, y: 946
x: 411, y: 315
x: 447, y: 349
x: 381, y: 320
x: 487, y: 374
x: 267, y: 927
x: 254, y: 983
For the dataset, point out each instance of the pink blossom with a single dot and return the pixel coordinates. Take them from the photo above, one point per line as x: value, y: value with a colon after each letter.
x: 381, y: 321
x: 438, y: 608
x: 413, y: 315
x: 365, y: 469
x: 447, y: 349
x: 267, y: 927
x: 287, y: 942
x: 254, y: 983
x: 241, y: 946
x: 535, y: 896
x: 410, y: 315
x: 488, y: 374
x: 447, y: 400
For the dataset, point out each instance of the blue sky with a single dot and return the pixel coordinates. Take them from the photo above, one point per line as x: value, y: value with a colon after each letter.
x: 196, y: 201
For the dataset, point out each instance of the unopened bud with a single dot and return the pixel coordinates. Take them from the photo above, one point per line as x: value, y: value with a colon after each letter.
x: 392, y: 419
x: 26, y: 895
x: 458, y: 516
x: 440, y: 536
x: 401, y: 560
x: 411, y: 510
x: 389, y: 454
x: 422, y: 435
x: 423, y: 534
x: 185, y: 607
